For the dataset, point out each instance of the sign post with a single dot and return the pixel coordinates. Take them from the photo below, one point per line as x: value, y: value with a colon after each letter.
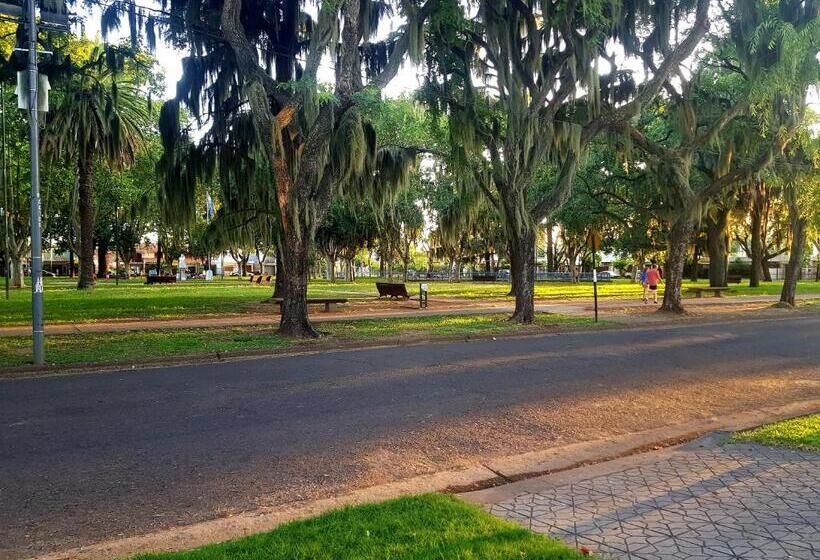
x: 594, y: 239
x: 423, y: 296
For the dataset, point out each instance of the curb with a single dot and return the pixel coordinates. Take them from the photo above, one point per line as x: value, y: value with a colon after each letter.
x: 485, y: 483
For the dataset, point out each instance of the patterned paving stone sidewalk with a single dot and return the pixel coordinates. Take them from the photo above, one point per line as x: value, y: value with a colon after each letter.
x: 697, y: 502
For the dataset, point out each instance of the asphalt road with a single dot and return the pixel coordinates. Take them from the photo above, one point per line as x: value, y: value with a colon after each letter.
x: 89, y: 457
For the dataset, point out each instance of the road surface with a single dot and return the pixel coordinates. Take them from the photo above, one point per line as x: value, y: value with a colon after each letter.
x: 90, y: 457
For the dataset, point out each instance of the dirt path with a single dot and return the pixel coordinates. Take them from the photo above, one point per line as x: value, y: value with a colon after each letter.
x: 627, y: 311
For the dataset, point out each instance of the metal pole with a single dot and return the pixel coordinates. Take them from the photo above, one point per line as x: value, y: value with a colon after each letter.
x: 595, y: 282
x: 36, y: 239
x: 6, y: 220
x: 117, y: 247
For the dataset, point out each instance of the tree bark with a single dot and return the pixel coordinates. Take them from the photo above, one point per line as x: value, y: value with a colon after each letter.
x: 17, y: 275
x: 158, y: 266
x: 513, y: 268
x: 102, y: 258
x: 695, y: 257
x: 798, y: 227
x: 551, y: 265
x: 85, y: 174
x: 522, y: 259
x: 294, y: 321
x: 679, y: 236
x: 278, y: 284
x: 331, y: 269
x: 717, y: 237
x: 757, y: 214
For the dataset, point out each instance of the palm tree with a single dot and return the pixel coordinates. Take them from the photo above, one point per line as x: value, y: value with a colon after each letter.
x: 99, y: 117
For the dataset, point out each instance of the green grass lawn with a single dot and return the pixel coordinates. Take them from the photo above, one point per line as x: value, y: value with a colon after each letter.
x: 128, y: 346
x: 798, y: 433
x: 426, y: 527
x: 134, y: 300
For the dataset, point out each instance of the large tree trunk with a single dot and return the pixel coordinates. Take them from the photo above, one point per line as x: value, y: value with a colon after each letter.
x: 798, y: 227
x: 513, y: 268
x: 572, y: 265
x: 522, y: 260
x: 331, y: 269
x: 551, y: 265
x: 716, y: 245
x: 85, y: 174
x: 679, y: 237
x: 294, y: 321
x: 18, y: 279
x: 758, y: 216
x: 102, y: 258
x: 278, y: 284
x: 695, y: 257
x: 158, y: 266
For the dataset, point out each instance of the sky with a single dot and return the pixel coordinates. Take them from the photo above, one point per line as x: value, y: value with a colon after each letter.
x: 170, y: 60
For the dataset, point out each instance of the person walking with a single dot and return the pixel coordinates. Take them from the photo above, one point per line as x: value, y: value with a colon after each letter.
x: 643, y: 282
x: 653, y: 278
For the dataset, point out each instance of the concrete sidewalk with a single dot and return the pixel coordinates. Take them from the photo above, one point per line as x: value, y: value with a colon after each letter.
x: 708, y: 499
x: 402, y: 309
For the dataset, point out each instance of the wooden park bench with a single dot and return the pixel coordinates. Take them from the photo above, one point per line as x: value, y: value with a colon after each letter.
x: 392, y: 290
x: 163, y: 279
x: 329, y: 303
x: 734, y: 279
x: 484, y: 277
x: 699, y: 291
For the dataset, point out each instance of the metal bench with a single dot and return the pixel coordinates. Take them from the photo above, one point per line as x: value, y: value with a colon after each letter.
x: 329, y: 303
x: 392, y: 290
x: 698, y: 291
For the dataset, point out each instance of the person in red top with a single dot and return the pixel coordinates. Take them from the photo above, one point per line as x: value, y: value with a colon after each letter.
x: 653, y: 278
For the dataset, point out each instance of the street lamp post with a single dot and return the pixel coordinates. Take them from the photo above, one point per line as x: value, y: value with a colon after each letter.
x: 117, y: 246
x: 37, y: 334
x: 6, y: 218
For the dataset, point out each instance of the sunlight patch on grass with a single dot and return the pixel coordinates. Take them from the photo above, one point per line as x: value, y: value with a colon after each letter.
x: 797, y: 433
x: 132, y: 299
x: 136, y: 346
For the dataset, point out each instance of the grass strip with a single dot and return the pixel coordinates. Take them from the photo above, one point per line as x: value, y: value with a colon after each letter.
x: 133, y: 346
x: 797, y: 433
x: 413, y: 528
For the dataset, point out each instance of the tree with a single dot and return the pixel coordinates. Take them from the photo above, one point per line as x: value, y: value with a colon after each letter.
x: 532, y: 60
x: 764, y: 43
x: 802, y: 192
x: 315, y: 142
x: 99, y: 116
